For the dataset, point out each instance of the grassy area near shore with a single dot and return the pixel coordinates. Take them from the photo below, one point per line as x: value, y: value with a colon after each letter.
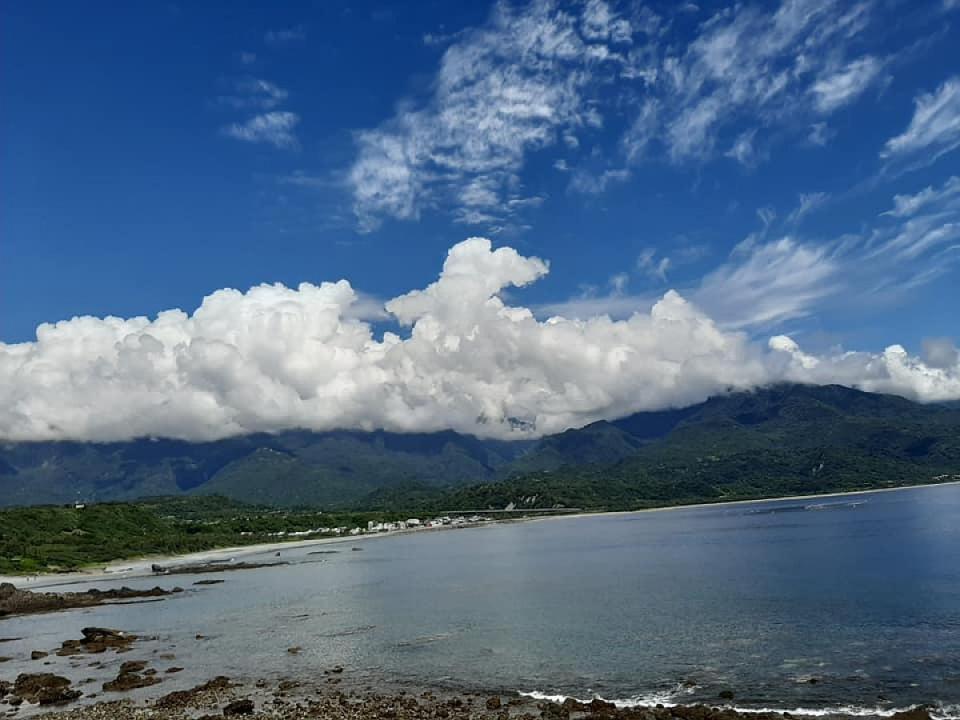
x: 64, y: 538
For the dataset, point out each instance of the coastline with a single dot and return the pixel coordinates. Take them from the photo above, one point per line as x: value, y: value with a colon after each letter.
x: 332, y: 698
x: 756, y: 501
x: 140, y: 567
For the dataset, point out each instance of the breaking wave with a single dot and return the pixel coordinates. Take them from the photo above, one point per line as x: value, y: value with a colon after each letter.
x: 671, y: 698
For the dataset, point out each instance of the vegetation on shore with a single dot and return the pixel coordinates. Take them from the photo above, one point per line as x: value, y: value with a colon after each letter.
x: 62, y: 538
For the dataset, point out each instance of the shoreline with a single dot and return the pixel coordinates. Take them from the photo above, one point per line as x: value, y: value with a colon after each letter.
x: 140, y: 567
x: 302, y: 698
x: 756, y: 501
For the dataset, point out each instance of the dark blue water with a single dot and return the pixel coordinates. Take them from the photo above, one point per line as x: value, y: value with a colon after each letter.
x: 860, y: 595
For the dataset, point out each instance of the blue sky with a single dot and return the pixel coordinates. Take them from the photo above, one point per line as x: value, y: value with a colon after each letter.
x: 788, y: 168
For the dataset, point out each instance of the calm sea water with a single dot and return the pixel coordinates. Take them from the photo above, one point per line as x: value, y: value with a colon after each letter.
x: 860, y: 595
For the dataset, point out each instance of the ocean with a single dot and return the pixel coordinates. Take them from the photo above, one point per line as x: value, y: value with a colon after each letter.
x: 825, y: 606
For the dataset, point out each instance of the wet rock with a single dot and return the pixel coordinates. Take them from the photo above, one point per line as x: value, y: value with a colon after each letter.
x: 210, y: 567
x: 294, y: 650
x: 208, y: 582
x: 554, y: 711
x: 921, y: 712
x: 493, y: 702
x: 172, y: 670
x: 38, y: 654
x: 44, y: 689
x: 130, y: 677
x: 97, y: 640
x: 14, y: 601
x: 239, y: 707
x: 187, y: 698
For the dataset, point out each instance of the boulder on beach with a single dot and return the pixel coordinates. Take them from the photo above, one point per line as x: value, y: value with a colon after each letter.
x: 44, y: 689
x: 130, y: 677
x: 239, y: 707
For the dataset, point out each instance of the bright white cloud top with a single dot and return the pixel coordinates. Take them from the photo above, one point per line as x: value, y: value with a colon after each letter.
x: 275, y: 358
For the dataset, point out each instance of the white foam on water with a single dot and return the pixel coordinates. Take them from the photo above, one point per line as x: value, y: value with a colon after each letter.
x: 668, y: 698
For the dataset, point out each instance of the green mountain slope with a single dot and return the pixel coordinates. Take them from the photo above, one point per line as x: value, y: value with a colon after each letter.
x: 784, y: 440
x: 295, y: 468
x: 780, y: 440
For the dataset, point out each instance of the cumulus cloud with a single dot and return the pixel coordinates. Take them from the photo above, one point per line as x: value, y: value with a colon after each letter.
x: 892, y: 371
x: 934, y: 128
x: 274, y: 128
x: 275, y: 357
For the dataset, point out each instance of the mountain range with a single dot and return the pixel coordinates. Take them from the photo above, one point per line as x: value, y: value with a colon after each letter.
x: 780, y: 440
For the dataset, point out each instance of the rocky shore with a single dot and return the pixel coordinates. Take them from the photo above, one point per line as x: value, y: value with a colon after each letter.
x: 14, y: 601
x: 291, y: 700
x: 331, y: 695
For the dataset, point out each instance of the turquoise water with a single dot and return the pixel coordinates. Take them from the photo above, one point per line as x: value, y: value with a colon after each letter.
x: 858, y: 594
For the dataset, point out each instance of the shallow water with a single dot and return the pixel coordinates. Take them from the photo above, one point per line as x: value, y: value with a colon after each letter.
x: 860, y: 594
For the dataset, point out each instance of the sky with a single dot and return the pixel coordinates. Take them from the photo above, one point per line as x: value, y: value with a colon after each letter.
x: 503, y: 218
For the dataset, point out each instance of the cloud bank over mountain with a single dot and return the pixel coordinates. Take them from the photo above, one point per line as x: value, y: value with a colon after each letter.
x: 275, y: 358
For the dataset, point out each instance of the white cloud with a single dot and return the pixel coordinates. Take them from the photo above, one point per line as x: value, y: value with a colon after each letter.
x: 742, y: 150
x: 940, y: 353
x: 808, y: 203
x: 836, y: 88
x: 775, y: 282
x: 770, y: 280
x: 934, y: 128
x: 254, y: 92
x: 518, y: 84
x: 820, y: 134
x: 893, y: 371
x: 276, y: 357
x: 546, y: 73
x: 774, y: 67
x: 585, y: 182
x: 907, y: 205
x: 275, y: 128
x: 653, y: 266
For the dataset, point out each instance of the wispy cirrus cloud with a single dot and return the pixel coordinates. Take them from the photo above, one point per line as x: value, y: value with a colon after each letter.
x: 254, y: 92
x: 808, y: 203
x: 547, y: 74
x: 776, y: 67
x: 518, y: 84
x: 273, y: 128
x: 777, y: 276
x: 934, y: 129
x: 838, y: 87
x: 768, y: 281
